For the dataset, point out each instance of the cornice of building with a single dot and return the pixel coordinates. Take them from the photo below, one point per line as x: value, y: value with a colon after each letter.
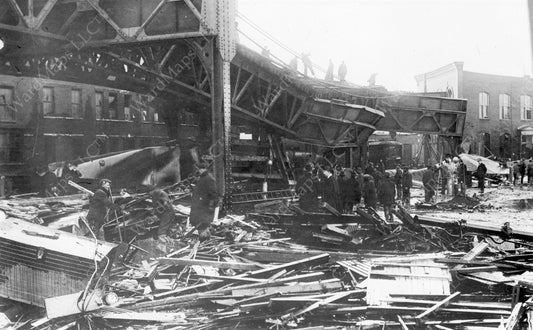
x: 454, y: 66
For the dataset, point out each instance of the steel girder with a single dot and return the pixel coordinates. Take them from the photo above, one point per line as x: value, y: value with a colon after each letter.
x: 51, y: 25
x: 423, y: 114
x: 268, y: 94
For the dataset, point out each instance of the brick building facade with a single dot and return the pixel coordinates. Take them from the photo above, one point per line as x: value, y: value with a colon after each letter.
x: 44, y: 121
x: 499, y: 118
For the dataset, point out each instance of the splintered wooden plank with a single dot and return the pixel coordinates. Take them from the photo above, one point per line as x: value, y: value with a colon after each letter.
x: 360, y: 268
x: 146, y: 316
x: 396, y: 309
x: 402, y: 323
x: 438, y: 305
x: 481, y: 305
x: 333, y: 284
x: 319, y: 303
x: 472, y: 254
x: 513, y: 319
x: 233, y: 278
x: 309, y: 277
x: 215, y: 264
x: 319, y: 259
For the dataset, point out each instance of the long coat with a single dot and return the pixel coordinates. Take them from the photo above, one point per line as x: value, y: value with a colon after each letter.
x: 307, y: 188
x: 387, y: 192
x: 407, y: 179
x: 99, y: 204
x: 329, y: 188
x: 204, y: 200
x: 164, y: 211
x: 350, y: 190
x: 370, y: 194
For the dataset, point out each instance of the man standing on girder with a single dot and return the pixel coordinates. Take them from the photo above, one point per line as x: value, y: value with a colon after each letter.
x: 307, y: 64
x: 343, y: 71
x: 329, y: 73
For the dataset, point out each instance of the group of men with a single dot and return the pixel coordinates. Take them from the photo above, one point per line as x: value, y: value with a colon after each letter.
x: 344, y: 188
x: 519, y: 170
x: 454, y: 178
x: 102, y: 208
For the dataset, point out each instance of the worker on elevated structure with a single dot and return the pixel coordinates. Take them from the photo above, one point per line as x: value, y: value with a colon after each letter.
x: 265, y: 52
x: 307, y: 64
x: 293, y: 64
x: 329, y: 73
x: 343, y: 71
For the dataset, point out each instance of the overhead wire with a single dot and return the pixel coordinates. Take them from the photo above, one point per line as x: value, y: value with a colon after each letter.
x: 276, y: 41
x: 325, y: 84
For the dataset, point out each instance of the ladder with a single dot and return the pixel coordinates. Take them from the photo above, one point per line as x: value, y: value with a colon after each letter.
x: 252, y: 197
x: 281, y: 159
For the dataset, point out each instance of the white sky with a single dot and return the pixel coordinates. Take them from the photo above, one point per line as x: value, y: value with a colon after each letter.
x: 395, y: 38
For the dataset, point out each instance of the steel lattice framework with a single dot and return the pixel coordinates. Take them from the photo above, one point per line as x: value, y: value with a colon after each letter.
x: 174, y: 51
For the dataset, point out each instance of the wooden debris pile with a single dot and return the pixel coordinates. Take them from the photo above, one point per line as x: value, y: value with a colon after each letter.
x: 271, y: 271
x: 259, y: 282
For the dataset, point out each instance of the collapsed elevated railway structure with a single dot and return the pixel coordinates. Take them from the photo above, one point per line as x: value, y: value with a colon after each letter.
x: 180, y: 58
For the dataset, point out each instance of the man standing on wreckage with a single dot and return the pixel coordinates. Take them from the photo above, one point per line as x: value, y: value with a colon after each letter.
x: 99, y: 205
x: 204, y: 202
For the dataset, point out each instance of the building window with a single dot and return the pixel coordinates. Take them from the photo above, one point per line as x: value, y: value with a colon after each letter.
x: 156, y: 117
x: 48, y: 101
x: 525, y: 107
x: 127, y: 107
x: 7, y: 111
x: 505, y: 106
x: 99, y: 102
x: 75, y: 103
x: 483, y: 105
x: 112, y: 101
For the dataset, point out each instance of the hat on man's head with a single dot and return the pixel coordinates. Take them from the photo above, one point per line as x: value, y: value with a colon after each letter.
x: 102, y: 181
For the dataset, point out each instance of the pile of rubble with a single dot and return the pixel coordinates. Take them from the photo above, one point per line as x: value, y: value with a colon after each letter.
x: 291, y: 270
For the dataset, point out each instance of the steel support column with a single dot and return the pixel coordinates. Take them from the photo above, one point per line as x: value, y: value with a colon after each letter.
x: 218, y: 148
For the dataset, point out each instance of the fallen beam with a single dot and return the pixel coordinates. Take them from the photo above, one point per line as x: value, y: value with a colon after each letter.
x: 474, y: 227
x: 206, y: 263
x: 438, y: 305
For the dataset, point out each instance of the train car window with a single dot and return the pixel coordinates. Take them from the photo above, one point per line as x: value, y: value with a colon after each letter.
x: 112, y: 101
x: 99, y: 103
x: 48, y: 101
x: 75, y: 103
x: 7, y: 111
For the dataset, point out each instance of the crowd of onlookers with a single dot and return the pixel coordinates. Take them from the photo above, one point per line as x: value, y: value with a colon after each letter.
x: 346, y: 189
x: 519, y: 170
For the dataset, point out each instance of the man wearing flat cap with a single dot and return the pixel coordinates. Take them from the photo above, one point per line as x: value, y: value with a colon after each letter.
x: 204, y: 202
x: 99, y: 206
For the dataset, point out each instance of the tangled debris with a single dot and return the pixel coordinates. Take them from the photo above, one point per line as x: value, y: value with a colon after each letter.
x: 266, y: 270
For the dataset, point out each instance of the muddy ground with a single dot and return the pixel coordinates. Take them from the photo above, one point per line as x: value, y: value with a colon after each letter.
x: 498, y: 204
